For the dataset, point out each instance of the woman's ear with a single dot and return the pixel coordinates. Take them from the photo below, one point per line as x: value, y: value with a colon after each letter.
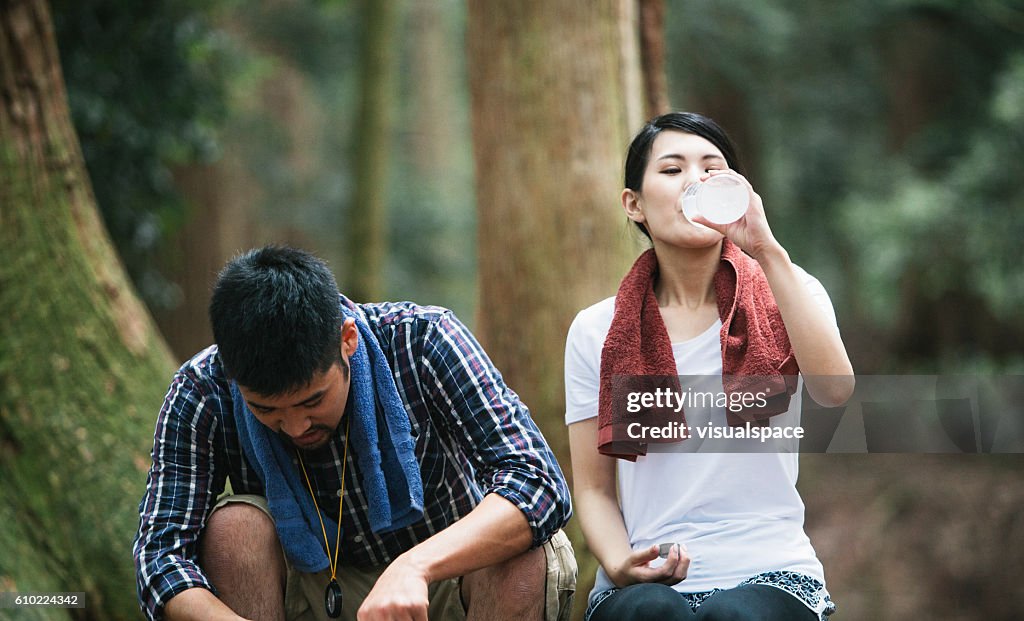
x: 349, y: 338
x: 631, y: 204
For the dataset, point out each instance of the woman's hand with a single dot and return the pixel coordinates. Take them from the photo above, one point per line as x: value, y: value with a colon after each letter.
x: 824, y: 363
x: 751, y: 232
x: 636, y: 567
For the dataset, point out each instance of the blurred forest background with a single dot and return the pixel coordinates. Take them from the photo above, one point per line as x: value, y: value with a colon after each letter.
x: 469, y: 155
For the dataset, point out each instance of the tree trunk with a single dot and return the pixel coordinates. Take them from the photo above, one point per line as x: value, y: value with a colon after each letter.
x: 652, y: 56
x: 549, y: 133
x: 437, y: 190
x: 366, y: 225
x: 82, y: 370
x: 433, y: 82
x: 221, y: 222
x: 551, y: 121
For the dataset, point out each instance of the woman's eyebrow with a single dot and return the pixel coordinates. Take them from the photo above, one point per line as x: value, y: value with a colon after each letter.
x: 676, y: 156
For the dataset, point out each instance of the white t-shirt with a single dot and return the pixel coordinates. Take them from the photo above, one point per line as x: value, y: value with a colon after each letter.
x: 738, y: 513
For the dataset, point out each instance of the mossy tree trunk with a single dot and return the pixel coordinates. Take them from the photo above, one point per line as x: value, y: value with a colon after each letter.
x: 555, y: 96
x: 82, y: 370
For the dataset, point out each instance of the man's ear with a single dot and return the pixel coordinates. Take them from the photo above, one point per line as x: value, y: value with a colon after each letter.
x: 349, y: 338
x: 631, y: 205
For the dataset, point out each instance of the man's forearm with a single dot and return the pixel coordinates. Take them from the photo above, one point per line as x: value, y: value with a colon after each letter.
x: 495, y: 531
x: 197, y: 604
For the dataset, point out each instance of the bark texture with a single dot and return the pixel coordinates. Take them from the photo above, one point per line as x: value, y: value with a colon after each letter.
x: 551, y: 116
x: 82, y: 369
x: 652, y: 55
x: 549, y: 132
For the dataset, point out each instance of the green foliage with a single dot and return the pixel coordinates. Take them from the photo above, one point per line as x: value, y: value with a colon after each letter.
x: 960, y: 232
x: 434, y: 223
x: 883, y: 137
x: 163, y: 85
x: 146, y: 88
x: 291, y: 120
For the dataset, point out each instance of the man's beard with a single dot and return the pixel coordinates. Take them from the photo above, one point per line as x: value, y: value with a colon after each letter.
x: 328, y: 432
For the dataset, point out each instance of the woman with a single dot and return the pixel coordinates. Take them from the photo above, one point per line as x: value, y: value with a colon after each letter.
x: 707, y: 300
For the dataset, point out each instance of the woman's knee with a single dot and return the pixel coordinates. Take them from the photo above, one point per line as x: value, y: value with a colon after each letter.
x: 725, y: 609
x: 645, y: 601
x: 753, y: 602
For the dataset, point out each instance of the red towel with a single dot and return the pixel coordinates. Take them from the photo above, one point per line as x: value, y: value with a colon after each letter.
x: 756, y: 354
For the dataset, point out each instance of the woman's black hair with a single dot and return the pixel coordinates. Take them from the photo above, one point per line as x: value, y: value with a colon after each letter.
x: 689, y: 122
x: 276, y: 318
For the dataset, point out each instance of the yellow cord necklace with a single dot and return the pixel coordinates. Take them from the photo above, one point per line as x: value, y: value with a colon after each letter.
x: 332, y: 596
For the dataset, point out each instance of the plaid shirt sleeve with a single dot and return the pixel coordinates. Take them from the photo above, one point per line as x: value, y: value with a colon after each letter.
x: 180, y: 489
x: 508, y: 452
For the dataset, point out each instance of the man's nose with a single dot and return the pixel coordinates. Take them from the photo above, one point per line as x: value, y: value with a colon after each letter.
x: 295, y: 424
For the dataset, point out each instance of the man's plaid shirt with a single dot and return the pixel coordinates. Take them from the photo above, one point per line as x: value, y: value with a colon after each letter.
x: 473, y: 437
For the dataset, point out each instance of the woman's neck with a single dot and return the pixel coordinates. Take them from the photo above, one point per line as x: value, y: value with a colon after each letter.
x: 686, y: 275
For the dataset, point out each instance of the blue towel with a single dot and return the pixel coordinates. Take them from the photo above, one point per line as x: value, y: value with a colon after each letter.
x: 294, y: 513
x: 380, y: 438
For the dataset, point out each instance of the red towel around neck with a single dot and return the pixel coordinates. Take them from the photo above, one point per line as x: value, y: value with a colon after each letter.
x: 755, y: 346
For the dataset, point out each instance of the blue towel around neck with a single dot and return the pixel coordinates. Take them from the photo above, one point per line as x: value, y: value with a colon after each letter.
x: 295, y: 515
x: 380, y: 437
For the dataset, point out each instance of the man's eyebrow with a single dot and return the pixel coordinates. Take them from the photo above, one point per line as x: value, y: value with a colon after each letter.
x: 269, y: 408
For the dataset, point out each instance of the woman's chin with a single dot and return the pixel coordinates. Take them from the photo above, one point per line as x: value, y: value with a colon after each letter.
x: 693, y: 236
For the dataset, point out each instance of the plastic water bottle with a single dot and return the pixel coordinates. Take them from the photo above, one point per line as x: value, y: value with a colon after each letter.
x: 721, y: 199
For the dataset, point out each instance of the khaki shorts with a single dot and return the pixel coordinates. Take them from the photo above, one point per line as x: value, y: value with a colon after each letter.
x: 304, y: 593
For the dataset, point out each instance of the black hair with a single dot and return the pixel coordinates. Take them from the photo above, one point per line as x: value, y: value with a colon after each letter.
x: 276, y: 318
x: 689, y: 122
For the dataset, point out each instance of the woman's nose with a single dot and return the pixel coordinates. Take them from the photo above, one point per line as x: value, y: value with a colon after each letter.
x: 693, y: 174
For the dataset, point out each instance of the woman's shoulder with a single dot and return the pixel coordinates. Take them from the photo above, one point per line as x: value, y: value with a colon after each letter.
x: 594, y: 319
x: 599, y: 312
x: 589, y: 329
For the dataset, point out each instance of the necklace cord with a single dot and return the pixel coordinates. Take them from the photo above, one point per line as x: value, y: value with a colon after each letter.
x: 341, y: 502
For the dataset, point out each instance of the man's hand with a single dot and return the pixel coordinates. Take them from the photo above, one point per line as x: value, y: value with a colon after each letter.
x: 493, y: 532
x: 400, y: 593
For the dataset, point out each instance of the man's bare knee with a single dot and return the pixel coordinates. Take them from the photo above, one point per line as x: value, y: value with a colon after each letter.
x: 513, y: 589
x: 238, y: 535
x: 242, y: 556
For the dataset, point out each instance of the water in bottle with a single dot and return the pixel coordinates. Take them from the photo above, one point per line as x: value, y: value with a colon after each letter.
x: 721, y: 199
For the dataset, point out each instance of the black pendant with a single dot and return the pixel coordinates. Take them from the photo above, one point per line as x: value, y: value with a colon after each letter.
x: 332, y: 599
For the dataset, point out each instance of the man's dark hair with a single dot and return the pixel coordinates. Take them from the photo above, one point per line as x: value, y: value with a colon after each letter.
x: 276, y: 318
x: 688, y: 122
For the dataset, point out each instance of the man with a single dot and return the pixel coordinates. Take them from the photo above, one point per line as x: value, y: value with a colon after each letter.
x: 389, y: 418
